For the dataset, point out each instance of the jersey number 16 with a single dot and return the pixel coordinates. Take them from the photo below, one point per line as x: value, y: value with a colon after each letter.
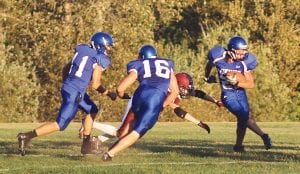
x: 161, y: 69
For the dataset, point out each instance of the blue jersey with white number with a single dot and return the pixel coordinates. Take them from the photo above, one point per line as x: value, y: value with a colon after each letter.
x: 82, y: 66
x: 217, y: 55
x: 154, y: 76
x: 152, y: 72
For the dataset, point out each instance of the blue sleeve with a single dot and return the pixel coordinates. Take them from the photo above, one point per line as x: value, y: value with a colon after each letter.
x: 250, y: 61
x: 103, y: 60
x: 216, y: 52
x: 131, y: 65
x: 171, y: 64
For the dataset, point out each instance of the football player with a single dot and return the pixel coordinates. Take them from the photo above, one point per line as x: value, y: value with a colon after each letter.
x: 86, y: 68
x: 236, y: 58
x: 155, y: 76
x: 186, y: 88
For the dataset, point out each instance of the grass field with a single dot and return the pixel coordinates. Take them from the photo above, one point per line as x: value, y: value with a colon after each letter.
x: 168, y: 148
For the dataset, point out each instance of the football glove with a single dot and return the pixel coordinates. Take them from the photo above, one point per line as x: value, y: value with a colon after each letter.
x: 204, y: 126
x: 126, y: 96
x: 210, y: 79
x: 112, y: 95
x: 219, y: 103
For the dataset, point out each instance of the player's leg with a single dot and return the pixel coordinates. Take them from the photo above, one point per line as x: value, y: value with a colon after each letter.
x: 106, y: 128
x: 256, y: 129
x: 109, y: 130
x: 124, y: 128
x: 237, y: 104
x: 121, y: 144
x: 91, y: 109
x: 146, y: 115
x: 240, y: 134
x: 127, y: 125
x: 66, y: 114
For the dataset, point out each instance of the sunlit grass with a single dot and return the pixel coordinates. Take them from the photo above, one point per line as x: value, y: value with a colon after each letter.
x: 167, y: 148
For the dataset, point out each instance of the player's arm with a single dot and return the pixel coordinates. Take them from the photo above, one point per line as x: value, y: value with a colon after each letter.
x: 174, y: 91
x: 185, y: 115
x: 248, y: 82
x: 208, y: 68
x: 207, y: 77
x: 66, y: 70
x: 96, y: 83
x: 125, y: 83
x: 201, y: 94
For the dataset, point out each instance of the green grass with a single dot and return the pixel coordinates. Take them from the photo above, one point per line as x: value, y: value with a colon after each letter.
x: 167, y: 148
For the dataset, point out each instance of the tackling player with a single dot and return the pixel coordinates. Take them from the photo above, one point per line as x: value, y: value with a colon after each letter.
x: 85, y: 68
x: 236, y: 58
x: 186, y: 88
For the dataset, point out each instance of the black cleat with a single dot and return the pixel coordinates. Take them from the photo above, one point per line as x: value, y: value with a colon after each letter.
x: 267, y: 141
x: 23, y: 141
x: 239, y: 149
x: 106, y: 157
x: 86, y: 146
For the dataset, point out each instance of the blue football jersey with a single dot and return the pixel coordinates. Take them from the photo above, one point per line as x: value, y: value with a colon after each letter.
x: 153, y: 72
x: 217, y: 55
x: 82, y: 66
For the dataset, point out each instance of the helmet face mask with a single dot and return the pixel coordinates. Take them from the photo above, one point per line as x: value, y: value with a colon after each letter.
x: 185, y: 84
x: 184, y: 91
x: 147, y: 52
x: 237, y: 47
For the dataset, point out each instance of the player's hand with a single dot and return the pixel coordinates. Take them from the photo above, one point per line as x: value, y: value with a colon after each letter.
x: 112, y: 95
x: 219, y: 103
x: 232, y: 80
x: 210, y: 79
x: 126, y: 96
x: 204, y: 126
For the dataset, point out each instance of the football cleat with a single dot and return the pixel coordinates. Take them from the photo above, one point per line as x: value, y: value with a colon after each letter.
x: 204, y: 126
x: 239, y: 149
x: 267, y: 141
x: 23, y: 140
x: 106, y: 157
x: 91, y: 146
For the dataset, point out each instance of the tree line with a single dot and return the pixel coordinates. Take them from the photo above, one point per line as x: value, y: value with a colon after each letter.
x: 38, y: 39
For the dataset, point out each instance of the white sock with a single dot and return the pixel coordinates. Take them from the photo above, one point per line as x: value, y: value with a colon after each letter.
x: 104, y: 137
x: 109, y: 129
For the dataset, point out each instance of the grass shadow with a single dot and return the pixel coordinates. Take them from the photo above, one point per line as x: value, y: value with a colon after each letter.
x: 211, y: 149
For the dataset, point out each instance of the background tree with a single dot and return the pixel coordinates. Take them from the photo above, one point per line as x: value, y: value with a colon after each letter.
x: 38, y: 38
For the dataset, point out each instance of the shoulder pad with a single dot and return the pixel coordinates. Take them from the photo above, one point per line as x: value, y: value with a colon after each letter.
x: 83, y: 45
x: 216, y: 52
x: 103, y: 60
x: 250, y: 61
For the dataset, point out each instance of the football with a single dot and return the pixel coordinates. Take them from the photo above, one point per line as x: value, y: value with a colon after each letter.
x: 239, y: 76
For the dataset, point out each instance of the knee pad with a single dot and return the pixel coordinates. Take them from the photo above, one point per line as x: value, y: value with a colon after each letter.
x: 180, y: 112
